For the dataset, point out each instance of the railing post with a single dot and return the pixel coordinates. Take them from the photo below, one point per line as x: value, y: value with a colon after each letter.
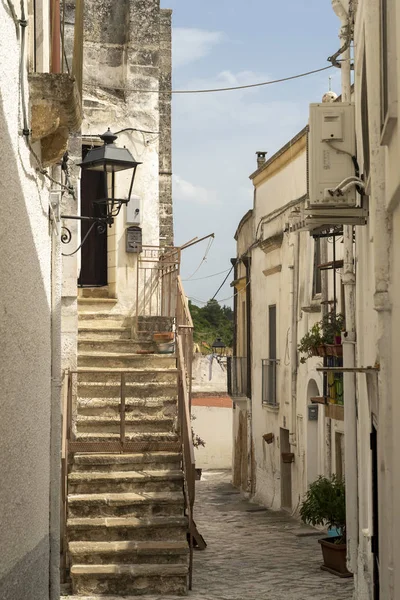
x: 122, y: 411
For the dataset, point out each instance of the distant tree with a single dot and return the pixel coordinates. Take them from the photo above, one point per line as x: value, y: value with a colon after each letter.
x: 212, y: 321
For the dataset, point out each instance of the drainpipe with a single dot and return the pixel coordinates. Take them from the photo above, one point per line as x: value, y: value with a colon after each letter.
x: 293, y: 350
x: 55, y: 36
x: 342, y: 10
x: 55, y: 409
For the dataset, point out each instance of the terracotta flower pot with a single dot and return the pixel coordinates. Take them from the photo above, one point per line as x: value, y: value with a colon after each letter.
x: 334, y: 556
x: 287, y: 457
x: 334, y: 350
x: 164, y: 337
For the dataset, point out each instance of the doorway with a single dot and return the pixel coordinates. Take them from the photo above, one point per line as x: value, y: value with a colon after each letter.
x: 375, y: 509
x: 286, y: 472
x: 94, y: 250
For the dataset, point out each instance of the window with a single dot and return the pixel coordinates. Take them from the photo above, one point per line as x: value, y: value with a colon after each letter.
x: 269, y: 364
x: 388, y: 69
x: 317, y: 282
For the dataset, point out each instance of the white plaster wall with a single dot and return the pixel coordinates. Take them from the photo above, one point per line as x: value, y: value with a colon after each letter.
x: 202, y: 369
x: 214, y: 426
x: 25, y: 354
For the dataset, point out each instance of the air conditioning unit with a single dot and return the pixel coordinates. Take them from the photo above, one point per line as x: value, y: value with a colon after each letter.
x: 330, y: 152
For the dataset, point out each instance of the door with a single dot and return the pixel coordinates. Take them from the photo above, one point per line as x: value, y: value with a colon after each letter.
x: 375, y: 514
x: 286, y: 472
x: 94, y: 249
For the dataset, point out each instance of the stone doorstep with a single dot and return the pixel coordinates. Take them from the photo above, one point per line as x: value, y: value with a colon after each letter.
x: 145, y: 547
x: 127, y: 498
x: 129, y: 570
x: 125, y: 522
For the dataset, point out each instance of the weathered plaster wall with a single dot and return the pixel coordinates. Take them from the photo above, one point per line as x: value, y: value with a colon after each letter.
x: 25, y: 355
x: 213, y: 423
x: 166, y: 217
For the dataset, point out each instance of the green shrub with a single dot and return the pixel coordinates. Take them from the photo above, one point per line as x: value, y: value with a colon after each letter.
x: 325, y: 504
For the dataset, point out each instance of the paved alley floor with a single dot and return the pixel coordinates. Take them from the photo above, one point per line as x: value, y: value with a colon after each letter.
x: 253, y: 553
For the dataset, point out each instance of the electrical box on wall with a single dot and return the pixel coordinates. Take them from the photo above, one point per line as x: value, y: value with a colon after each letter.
x: 313, y: 412
x: 331, y: 146
x: 134, y: 239
x: 133, y: 214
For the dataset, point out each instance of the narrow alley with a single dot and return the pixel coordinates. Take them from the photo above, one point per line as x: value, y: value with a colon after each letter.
x: 253, y: 553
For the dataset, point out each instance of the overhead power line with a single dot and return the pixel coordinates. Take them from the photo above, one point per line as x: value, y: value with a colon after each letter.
x: 211, y: 90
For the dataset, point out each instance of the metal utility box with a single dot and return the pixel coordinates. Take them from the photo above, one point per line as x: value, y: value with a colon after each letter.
x: 133, y: 213
x: 313, y: 412
x: 134, y: 239
x: 330, y: 148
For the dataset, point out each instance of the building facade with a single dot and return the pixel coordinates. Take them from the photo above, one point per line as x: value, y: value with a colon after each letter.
x: 39, y: 108
x: 288, y: 424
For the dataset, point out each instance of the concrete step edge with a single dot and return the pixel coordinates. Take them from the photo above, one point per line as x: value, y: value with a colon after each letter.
x: 124, y: 498
x: 127, y: 523
x: 108, y: 571
x: 141, y: 547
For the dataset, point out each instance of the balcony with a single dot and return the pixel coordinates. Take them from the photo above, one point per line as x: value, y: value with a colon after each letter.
x: 268, y: 382
x: 56, y: 97
x: 237, y: 376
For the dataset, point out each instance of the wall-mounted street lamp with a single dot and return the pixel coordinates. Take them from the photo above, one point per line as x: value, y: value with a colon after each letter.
x: 107, y: 159
x: 218, y: 347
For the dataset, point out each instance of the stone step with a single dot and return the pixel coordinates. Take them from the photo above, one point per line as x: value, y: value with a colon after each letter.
x: 90, y: 331
x: 116, y: 346
x: 93, y: 292
x: 112, y: 360
x: 107, y: 316
x: 132, y: 376
x: 149, y: 442
x: 114, y: 529
x: 129, y: 552
x: 132, y: 390
x: 133, y: 424
x: 154, y: 324
x: 135, y: 407
x: 132, y: 580
x: 143, y: 505
x: 124, y: 481
x: 138, y: 461
x: 96, y: 304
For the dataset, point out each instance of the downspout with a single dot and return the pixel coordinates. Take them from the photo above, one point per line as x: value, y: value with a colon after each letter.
x: 342, y: 10
x: 247, y: 264
x: 293, y: 350
x: 55, y: 410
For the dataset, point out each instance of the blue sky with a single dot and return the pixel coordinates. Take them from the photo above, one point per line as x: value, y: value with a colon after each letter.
x: 220, y: 43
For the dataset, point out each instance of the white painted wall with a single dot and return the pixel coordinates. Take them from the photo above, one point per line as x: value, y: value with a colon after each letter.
x: 214, y: 426
x: 25, y: 355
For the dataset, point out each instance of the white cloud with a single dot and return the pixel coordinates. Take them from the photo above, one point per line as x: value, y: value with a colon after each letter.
x: 189, y: 45
x: 185, y: 191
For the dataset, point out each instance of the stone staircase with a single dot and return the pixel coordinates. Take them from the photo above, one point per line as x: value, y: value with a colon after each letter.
x: 126, y: 523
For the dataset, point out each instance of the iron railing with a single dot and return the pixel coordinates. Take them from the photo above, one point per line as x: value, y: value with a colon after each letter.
x: 268, y: 381
x: 237, y: 376
x: 156, y: 281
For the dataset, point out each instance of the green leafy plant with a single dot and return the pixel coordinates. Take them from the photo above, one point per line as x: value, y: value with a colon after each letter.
x: 325, y: 504
x: 323, y: 332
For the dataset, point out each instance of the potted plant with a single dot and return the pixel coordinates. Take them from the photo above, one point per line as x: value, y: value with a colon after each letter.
x: 325, y: 504
x: 323, y: 338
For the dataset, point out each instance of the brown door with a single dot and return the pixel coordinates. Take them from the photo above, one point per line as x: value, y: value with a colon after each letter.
x: 94, y: 250
x: 286, y: 472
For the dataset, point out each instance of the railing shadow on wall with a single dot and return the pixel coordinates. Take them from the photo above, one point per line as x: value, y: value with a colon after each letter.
x: 169, y: 300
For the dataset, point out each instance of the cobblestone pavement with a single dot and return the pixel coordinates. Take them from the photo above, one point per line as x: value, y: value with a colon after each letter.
x: 253, y: 553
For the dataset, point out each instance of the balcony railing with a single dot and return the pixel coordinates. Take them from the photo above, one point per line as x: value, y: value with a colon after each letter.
x: 268, y: 392
x: 237, y: 376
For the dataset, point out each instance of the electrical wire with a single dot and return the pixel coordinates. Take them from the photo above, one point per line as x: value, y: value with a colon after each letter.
x: 208, y: 276
x: 23, y: 24
x: 213, y: 90
x: 43, y: 171
x: 229, y: 272
x: 210, y: 243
